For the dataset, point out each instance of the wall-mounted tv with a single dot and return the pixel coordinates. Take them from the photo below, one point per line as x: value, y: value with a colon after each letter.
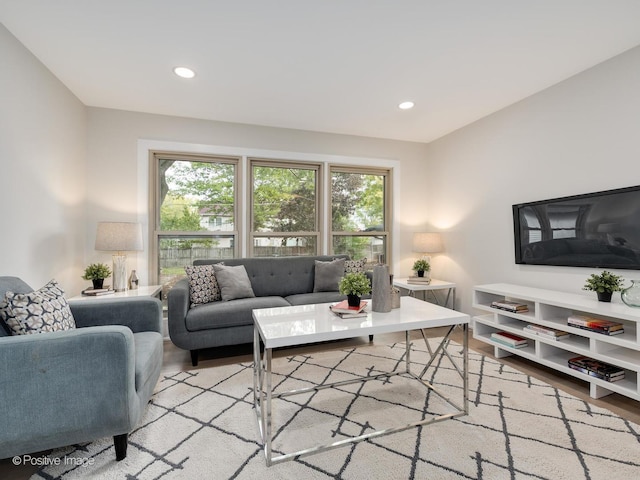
x: 600, y: 230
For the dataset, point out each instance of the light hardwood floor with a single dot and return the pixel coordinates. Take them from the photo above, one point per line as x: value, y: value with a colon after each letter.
x: 176, y: 359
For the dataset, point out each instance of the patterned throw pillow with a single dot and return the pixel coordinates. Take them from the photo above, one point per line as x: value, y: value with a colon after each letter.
x: 43, y: 310
x: 203, y: 285
x: 355, y: 266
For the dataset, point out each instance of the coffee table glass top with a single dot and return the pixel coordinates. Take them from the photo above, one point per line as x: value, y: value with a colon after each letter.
x: 296, y: 325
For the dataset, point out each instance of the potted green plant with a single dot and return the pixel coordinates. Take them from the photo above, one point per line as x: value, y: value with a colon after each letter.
x: 604, y: 285
x: 97, y: 272
x: 354, y: 285
x: 420, y: 266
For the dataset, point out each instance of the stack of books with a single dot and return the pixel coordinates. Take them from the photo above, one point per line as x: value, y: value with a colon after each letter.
x: 546, y: 332
x: 596, y: 368
x: 419, y: 280
x: 605, y: 327
x: 344, y: 310
x: 94, y: 292
x: 509, y: 339
x: 510, y: 306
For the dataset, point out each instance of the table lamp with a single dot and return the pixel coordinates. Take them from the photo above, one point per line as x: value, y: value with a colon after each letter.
x: 427, y: 242
x: 119, y: 237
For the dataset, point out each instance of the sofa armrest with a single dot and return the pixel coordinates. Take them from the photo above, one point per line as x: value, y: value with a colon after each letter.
x: 179, y: 303
x: 66, y: 387
x: 140, y: 314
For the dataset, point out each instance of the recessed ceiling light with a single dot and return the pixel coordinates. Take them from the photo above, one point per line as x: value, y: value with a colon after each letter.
x: 184, y: 72
x: 406, y: 105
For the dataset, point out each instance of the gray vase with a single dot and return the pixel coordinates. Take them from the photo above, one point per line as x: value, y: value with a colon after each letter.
x: 381, y: 295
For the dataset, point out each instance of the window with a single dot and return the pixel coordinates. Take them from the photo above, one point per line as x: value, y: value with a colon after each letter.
x: 360, y: 212
x: 284, y: 208
x: 195, y: 211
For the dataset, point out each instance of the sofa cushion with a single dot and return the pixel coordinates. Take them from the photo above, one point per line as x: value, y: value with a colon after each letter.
x: 43, y: 310
x: 277, y: 276
x: 318, y: 297
x: 203, y: 285
x: 234, y: 282
x: 229, y: 314
x: 328, y: 275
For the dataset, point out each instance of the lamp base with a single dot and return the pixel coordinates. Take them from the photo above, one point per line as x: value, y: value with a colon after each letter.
x: 119, y: 273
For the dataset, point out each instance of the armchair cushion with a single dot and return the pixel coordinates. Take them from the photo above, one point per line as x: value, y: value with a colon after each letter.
x: 43, y: 310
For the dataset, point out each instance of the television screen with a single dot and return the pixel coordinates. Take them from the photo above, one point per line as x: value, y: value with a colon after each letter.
x: 599, y: 229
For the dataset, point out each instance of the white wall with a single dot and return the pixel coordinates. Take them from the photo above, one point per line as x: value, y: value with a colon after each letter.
x: 116, y: 188
x: 42, y: 172
x: 577, y: 137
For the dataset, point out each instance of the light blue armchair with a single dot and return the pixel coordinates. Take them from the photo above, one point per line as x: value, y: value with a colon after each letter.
x: 75, y: 386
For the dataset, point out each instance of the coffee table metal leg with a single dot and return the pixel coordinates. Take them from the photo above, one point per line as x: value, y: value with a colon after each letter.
x: 267, y: 436
x: 408, y: 351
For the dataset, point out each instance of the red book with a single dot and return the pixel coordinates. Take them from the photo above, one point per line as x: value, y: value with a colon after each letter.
x: 343, y: 307
x: 509, y: 338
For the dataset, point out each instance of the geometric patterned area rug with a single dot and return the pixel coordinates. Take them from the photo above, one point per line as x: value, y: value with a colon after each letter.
x: 201, y: 424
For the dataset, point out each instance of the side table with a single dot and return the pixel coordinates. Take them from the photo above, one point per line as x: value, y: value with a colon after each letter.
x: 143, y: 291
x: 449, y: 300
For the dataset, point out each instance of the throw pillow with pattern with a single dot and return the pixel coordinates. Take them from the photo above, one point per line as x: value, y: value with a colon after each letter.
x: 43, y: 310
x: 203, y: 285
x: 355, y: 266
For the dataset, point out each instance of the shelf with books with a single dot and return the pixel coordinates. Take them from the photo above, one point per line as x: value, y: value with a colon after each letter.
x: 550, y: 311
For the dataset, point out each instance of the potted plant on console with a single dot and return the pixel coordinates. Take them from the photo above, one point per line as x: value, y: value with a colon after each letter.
x: 604, y: 285
x: 420, y: 266
x: 354, y: 285
x: 97, y: 272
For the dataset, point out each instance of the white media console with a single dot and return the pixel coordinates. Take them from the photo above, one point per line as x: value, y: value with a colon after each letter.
x: 551, y: 309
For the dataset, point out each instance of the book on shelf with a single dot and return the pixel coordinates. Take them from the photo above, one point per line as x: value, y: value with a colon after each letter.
x: 509, y: 339
x: 546, y: 332
x: 592, y: 322
x: 95, y: 292
x: 596, y: 368
x: 510, y: 306
x: 599, y: 330
x: 344, y: 307
x: 508, y: 344
x: 419, y: 280
x: 616, y: 378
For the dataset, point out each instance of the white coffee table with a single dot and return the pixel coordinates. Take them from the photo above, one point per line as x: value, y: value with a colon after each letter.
x: 304, y: 324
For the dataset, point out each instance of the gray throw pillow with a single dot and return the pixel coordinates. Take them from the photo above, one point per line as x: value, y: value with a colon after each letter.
x: 328, y: 275
x: 233, y: 281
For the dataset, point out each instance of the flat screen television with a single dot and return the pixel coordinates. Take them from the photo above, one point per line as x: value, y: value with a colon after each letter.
x: 598, y: 230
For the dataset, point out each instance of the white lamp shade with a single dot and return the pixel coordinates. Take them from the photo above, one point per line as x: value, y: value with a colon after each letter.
x: 119, y: 236
x: 427, y: 242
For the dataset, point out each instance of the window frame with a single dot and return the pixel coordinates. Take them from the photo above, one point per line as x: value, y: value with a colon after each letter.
x: 155, y: 234
x: 387, y: 173
x: 252, y: 235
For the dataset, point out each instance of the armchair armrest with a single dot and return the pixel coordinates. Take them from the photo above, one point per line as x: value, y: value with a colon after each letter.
x: 140, y: 314
x: 66, y: 387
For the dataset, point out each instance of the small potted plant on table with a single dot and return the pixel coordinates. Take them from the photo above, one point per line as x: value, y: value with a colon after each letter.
x: 97, y: 272
x: 420, y: 266
x: 604, y: 285
x: 354, y: 285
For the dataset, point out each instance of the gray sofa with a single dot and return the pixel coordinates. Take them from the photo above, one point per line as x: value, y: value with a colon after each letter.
x: 276, y: 282
x: 75, y: 386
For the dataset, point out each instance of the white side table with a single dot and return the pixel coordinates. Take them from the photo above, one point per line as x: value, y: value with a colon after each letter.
x: 432, y: 287
x: 143, y: 291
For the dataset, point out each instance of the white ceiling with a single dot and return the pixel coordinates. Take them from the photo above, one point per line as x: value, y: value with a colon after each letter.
x: 338, y: 66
